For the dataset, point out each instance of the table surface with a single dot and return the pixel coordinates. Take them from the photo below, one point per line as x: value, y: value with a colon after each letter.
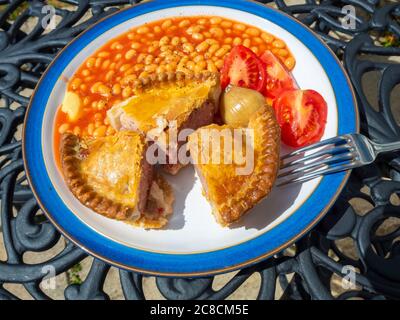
x: 358, y: 240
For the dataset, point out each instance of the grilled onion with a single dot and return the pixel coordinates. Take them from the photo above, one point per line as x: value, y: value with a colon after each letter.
x: 238, y: 104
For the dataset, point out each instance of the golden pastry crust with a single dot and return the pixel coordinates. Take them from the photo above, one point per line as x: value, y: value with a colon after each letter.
x: 95, y: 175
x: 232, y: 195
x: 166, y: 102
x: 153, y: 92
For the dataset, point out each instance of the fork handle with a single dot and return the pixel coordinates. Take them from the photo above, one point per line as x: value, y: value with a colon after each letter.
x: 387, y: 147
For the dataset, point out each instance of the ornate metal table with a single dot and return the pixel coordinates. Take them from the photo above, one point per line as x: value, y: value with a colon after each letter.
x: 353, y: 253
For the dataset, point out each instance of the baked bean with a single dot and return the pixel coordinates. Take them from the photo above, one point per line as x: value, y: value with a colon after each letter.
x: 219, y: 63
x: 200, y: 66
x: 164, y: 41
x: 268, y: 38
x: 198, y: 58
x: 184, y: 24
x: 104, y: 90
x: 278, y: 44
x: 215, y: 20
x: 197, y: 36
x: 116, y: 89
x: 143, y: 30
x: 128, y: 79
x: 104, y: 54
x: 193, y: 29
x: 226, y: 24
x: 76, y: 83
x: 254, y: 49
x: 130, y: 54
x: 202, y: 46
x: 135, y: 45
x: 100, y: 131
x: 166, y: 24
x: 98, y: 62
x: 217, y: 32
x: 125, y: 67
x: 257, y: 40
x: 228, y: 40
x: 63, y: 128
x: 175, y: 41
x: 290, y: 63
x: 237, y: 41
x: 247, y: 42
x: 187, y: 47
x: 150, y: 68
x: 213, y: 49
x: 144, y: 74
x: 190, y: 45
x: 110, y: 131
x: 114, y: 45
x: 105, y: 64
x: 90, y: 128
x: 109, y: 75
x: 283, y: 52
x: 98, y: 116
x: 101, y: 104
x: 221, y: 52
x: 138, y: 67
x: 239, y: 27
x: 77, y: 131
x: 211, y: 66
x: 253, y: 32
x: 86, y: 101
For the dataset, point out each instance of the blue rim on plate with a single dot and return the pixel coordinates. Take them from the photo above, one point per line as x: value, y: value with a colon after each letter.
x: 196, y: 264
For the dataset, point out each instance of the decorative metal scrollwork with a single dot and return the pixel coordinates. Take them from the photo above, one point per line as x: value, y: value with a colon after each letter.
x: 313, y: 267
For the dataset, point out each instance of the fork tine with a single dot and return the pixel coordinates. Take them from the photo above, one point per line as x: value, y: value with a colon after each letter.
x: 315, y: 164
x: 334, y: 140
x: 315, y: 174
x: 337, y: 150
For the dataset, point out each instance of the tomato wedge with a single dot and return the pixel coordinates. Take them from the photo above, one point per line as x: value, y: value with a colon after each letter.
x: 301, y: 116
x: 279, y: 79
x: 243, y: 68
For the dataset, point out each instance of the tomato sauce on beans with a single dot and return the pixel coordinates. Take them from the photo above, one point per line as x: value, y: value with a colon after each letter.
x: 188, y: 44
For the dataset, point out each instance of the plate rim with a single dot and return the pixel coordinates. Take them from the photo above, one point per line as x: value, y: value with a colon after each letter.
x: 156, y: 5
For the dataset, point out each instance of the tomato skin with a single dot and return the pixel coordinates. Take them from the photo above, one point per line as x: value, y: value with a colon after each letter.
x: 302, y: 116
x: 243, y: 68
x: 279, y: 78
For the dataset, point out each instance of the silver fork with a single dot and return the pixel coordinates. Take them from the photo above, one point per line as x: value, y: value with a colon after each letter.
x: 330, y: 156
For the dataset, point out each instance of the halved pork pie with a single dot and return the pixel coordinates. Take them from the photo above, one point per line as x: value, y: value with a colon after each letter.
x: 165, y: 102
x: 112, y: 177
x: 233, y: 187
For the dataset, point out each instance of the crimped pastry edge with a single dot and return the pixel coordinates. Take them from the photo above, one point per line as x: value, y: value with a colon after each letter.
x: 84, y: 193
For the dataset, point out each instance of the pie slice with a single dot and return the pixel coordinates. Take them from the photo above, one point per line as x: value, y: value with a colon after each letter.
x: 110, y: 175
x: 235, y: 179
x: 163, y: 105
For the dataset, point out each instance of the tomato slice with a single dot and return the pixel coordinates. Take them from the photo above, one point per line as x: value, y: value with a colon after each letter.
x: 279, y: 79
x: 243, y: 68
x: 301, y: 116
